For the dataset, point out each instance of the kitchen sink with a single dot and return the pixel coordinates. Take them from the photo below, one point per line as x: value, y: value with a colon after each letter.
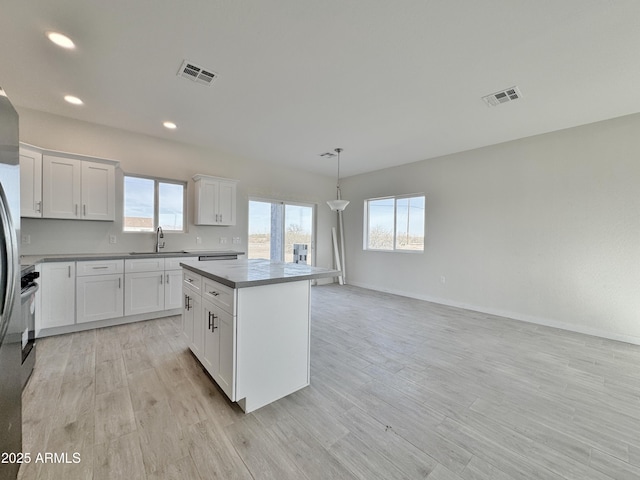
x: 177, y: 252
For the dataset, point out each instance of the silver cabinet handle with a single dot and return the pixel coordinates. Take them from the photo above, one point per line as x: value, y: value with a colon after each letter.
x: 99, y: 268
x: 167, y: 278
x: 84, y: 209
x: 69, y: 271
x: 215, y: 294
x: 161, y: 277
x: 119, y: 283
x: 39, y: 207
x: 76, y: 209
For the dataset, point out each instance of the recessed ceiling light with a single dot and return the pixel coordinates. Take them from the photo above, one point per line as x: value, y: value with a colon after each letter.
x: 170, y: 125
x: 73, y: 100
x: 61, y: 40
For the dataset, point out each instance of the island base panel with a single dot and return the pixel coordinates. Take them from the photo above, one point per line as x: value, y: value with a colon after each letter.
x: 273, y: 342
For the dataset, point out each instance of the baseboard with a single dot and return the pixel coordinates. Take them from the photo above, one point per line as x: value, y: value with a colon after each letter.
x: 595, y: 332
x: 112, y: 322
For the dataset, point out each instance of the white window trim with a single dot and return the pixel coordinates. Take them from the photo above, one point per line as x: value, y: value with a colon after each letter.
x: 156, y: 203
x: 365, y: 240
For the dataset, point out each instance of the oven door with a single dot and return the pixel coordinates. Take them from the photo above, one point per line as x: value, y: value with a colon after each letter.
x: 28, y: 313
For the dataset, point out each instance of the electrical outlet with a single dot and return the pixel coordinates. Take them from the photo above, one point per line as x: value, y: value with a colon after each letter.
x: 198, y: 240
x: 113, y: 239
x: 223, y: 240
x: 443, y: 279
x: 26, y: 239
x: 236, y: 240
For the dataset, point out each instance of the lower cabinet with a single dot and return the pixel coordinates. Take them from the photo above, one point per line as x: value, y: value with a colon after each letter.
x: 99, y: 297
x: 58, y: 294
x: 144, y: 292
x: 210, y: 329
x: 172, y: 289
x: 219, y: 353
x: 192, y: 326
x: 99, y: 290
x: 81, y: 292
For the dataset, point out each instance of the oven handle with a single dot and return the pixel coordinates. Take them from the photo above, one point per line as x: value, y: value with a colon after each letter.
x: 29, y: 291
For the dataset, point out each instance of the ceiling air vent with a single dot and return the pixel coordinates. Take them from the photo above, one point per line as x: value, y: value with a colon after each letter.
x: 196, y: 73
x: 503, y: 96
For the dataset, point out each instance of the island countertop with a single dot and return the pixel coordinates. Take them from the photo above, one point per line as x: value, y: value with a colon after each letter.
x: 253, y: 272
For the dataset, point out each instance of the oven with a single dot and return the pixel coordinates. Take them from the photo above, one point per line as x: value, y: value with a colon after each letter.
x: 28, y: 290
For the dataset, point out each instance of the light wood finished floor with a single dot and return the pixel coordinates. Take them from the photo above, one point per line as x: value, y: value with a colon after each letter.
x: 401, y: 389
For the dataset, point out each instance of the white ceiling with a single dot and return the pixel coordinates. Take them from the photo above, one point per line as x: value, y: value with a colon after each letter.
x: 391, y: 82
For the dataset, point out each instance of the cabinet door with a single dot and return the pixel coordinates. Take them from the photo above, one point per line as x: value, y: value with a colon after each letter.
x: 211, y: 354
x: 30, y: 183
x: 61, y: 181
x: 187, y: 316
x: 206, y: 202
x: 58, y: 294
x: 172, y: 289
x: 99, y: 297
x: 144, y: 292
x: 195, y: 309
x: 227, y: 366
x: 219, y: 356
x: 98, y: 191
x: 227, y: 203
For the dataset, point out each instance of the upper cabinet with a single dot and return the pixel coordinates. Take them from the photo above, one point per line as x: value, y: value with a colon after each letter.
x: 215, y: 200
x: 78, y: 189
x: 30, y: 182
x: 54, y: 185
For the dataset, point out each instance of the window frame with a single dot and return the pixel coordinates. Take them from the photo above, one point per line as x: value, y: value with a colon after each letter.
x: 156, y: 201
x: 395, y: 198
x: 283, y: 204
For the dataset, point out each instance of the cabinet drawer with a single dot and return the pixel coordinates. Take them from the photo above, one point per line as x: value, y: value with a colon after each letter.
x: 99, y: 267
x: 174, y: 262
x: 219, y: 294
x: 144, y: 265
x: 192, y: 280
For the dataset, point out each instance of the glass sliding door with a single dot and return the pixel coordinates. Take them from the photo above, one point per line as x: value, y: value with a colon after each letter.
x: 275, y: 227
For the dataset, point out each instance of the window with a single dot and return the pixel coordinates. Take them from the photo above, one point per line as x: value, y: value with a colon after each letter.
x: 275, y: 227
x: 394, y: 224
x: 152, y: 202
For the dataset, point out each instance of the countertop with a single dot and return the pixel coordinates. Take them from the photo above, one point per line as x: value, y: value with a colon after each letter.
x: 250, y: 273
x: 73, y: 257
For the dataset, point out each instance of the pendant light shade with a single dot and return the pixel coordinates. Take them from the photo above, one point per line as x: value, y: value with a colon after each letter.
x: 338, y: 205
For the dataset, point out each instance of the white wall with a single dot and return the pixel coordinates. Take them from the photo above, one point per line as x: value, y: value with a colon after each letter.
x: 146, y: 155
x: 544, y: 229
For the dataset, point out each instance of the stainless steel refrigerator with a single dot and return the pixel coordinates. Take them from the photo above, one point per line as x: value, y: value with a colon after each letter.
x: 10, y: 320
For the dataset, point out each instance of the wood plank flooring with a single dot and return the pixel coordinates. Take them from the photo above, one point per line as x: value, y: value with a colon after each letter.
x: 400, y: 389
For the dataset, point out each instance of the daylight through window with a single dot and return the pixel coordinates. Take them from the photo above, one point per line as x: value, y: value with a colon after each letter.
x: 152, y: 202
x: 394, y: 223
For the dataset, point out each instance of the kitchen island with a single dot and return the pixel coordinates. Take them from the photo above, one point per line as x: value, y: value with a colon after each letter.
x: 248, y: 323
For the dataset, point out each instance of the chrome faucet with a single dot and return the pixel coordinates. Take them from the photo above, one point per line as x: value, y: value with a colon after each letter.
x: 159, y: 235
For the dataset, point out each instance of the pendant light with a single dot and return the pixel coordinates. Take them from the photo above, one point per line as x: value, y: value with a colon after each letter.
x: 338, y: 205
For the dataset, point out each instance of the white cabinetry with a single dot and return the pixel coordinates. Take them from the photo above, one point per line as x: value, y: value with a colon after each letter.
x: 30, y: 183
x: 144, y: 285
x: 77, y: 189
x: 256, y: 339
x: 209, y: 325
x: 99, y: 290
x: 173, y: 282
x: 58, y: 294
x: 215, y: 200
x: 219, y: 353
x: 192, y: 323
